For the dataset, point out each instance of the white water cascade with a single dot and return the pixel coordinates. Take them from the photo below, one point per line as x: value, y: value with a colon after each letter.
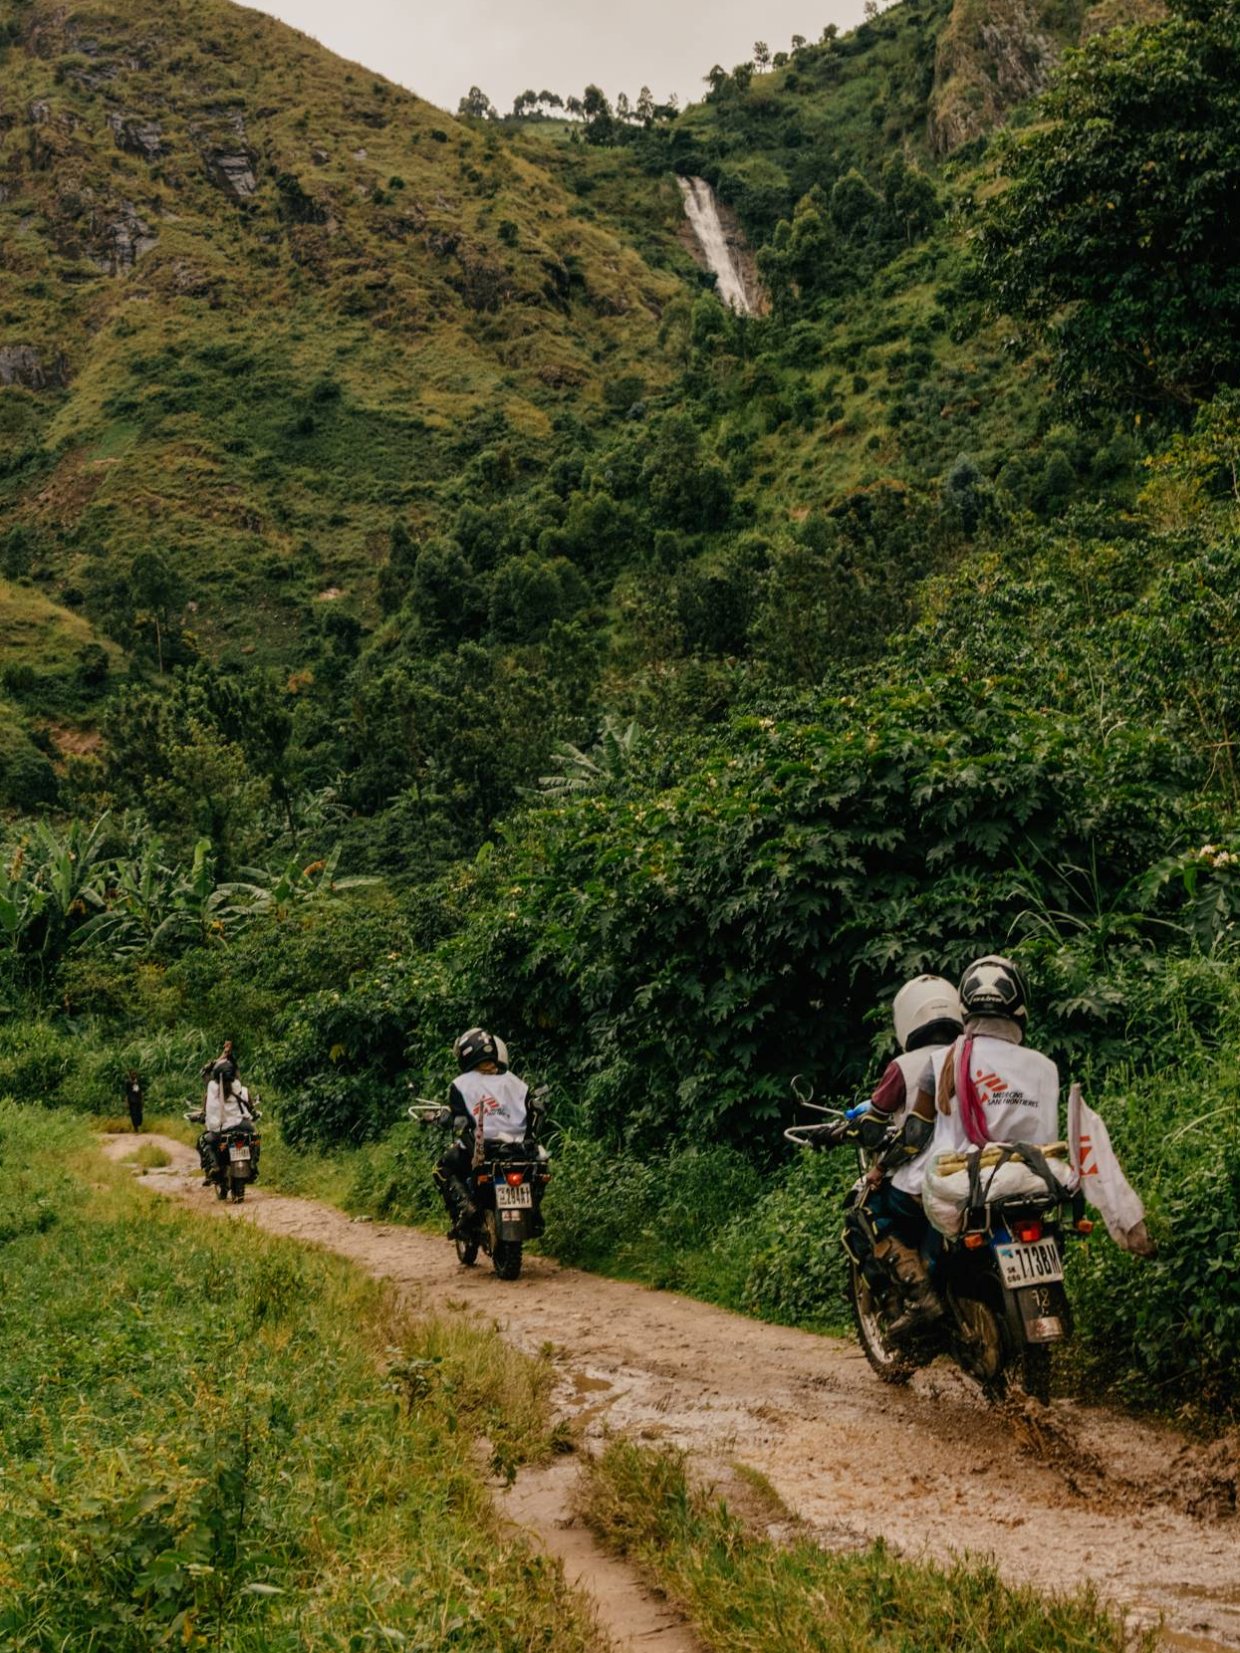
x: 702, y: 211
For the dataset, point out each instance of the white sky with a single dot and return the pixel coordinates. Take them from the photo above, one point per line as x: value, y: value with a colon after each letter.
x: 439, y: 48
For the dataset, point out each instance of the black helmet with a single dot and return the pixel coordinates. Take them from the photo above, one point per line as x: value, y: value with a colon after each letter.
x: 225, y: 1071
x: 993, y: 986
x: 474, y: 1048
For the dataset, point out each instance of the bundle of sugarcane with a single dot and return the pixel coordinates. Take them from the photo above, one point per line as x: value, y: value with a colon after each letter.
x: 948, y: 1164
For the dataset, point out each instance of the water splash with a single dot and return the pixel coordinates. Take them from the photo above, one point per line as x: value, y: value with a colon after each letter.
x: 702, y: 211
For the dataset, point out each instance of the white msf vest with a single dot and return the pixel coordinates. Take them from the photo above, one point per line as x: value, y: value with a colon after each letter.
x: 1019, y: 1089
x: 499, y: 1098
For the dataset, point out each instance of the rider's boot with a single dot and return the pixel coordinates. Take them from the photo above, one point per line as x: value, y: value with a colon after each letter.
x: 921, y: 1303
x: 461, y: 1208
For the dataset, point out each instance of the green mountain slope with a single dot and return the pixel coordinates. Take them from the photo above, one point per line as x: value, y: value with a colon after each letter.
x: 251, y: 297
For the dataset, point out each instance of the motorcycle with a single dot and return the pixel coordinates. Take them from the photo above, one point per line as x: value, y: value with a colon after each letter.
x: 1000, y: 1280
x: 506, y: 1184
x: 236, y: 1154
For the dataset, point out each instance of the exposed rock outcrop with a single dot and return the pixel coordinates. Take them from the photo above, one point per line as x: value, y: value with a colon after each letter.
x: 21, y: 365
x: 991, y: 55
x: 230, y: 162
x: 138, y: 136
x: 125, y: 240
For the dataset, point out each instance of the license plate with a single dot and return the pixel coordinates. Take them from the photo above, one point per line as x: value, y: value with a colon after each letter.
x: 1029, y: 1265
x: 240, y: 1151
x: 507, y: 1198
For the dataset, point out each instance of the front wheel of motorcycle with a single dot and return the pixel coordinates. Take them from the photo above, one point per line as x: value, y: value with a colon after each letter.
x: 506, y: 1259
x: 887, y: 1361
x: 467, y: 1252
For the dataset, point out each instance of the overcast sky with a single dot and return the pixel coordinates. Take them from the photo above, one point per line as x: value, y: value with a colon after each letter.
x: 439, y: 48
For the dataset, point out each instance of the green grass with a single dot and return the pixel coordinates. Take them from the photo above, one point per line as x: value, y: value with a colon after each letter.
x: 745, y: 1594
x: 215, y: 1439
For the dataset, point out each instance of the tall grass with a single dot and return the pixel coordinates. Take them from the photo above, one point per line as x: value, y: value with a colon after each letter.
x: 214, y: 1439
x: 747, y: 1594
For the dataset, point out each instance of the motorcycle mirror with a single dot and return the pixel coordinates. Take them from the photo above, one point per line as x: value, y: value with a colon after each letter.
x: 539, y: 1099
x: 803, y: 1094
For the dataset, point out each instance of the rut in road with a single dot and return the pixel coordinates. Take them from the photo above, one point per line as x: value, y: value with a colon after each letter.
x: 1058, y: 1496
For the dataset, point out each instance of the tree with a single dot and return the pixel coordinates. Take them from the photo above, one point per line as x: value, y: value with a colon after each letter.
x: 742, y: 76
x: 476, y: 105
x: 798, y: 42
x: 762, y: 54
x: 716, y: 78
x: 645, y: 106
x: 912, y: 200
x: 624, y: 111
x: 1118, y: 235
x: 856, y: 206
x: 523, y: 103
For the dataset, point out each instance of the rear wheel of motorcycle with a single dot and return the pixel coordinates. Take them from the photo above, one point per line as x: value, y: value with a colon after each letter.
x: 467, y: 1252
x: 888, y: 1362
x: 506, y: 1259
x: 238, y: 1192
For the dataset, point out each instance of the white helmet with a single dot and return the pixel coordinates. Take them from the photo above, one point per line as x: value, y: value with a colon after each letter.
x: 926, y: 1011
x: 501, y: 1053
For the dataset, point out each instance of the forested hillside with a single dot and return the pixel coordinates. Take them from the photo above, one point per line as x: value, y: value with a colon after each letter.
x: 425, y: 603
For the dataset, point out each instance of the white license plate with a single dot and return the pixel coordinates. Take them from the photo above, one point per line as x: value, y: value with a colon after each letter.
x: 507, y: 1198
x: 240, y: 1151
x: 1029, y: 1265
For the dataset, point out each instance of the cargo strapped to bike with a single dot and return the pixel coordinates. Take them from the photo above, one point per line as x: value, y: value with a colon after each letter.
x: 959, y: 1186
x: 1027, y: 1154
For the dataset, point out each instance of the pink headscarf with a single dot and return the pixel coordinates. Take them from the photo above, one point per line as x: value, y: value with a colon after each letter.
x: 972, y: 1110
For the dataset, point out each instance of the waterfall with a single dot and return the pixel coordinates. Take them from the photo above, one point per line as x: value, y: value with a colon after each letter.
x: 702, y: 211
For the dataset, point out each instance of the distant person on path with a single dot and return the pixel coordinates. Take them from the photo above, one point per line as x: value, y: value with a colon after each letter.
x: 133, y: 1098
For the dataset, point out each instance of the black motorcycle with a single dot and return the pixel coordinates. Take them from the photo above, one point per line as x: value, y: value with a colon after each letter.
x: 1000, y: 1280
x: 506, y: 1186
x: 236, y: 1156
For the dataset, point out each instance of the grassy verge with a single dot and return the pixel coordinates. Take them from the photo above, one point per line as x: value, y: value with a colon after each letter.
x: 746, y: 1594
x: 215, y: 1439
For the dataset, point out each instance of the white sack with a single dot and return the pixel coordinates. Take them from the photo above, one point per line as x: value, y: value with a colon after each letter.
x: 1102, y: 1181
x: 945, y: 1197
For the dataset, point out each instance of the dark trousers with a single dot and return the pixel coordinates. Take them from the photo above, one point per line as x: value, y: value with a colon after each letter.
x: 135, y: 1109
x: 452, y: 1176
x: 898, y: 1215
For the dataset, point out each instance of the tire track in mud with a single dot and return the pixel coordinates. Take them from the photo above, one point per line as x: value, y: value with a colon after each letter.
x: 1059, y: 1496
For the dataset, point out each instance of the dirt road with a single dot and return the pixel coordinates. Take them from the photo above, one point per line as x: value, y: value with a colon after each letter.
x: 1058, y: 1496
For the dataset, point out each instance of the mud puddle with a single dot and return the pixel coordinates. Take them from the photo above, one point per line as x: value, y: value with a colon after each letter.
x: 1058, y: 1496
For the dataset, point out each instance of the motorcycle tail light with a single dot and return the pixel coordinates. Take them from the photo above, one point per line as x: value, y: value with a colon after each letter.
x: 1028, y: 1232
x: 1084, y: 1225
x: 974, y: 1242
x: 484, y: 1176
x: 514, y: 1179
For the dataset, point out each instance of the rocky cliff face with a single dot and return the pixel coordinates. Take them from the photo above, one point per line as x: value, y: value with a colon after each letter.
x: 995, y: 53
x: 992, y: 54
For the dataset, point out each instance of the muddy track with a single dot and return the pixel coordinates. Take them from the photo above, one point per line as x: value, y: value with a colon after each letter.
x: 1058, y: 1496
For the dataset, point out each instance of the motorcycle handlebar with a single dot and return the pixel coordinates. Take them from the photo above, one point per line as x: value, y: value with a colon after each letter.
x: 828, y: 1135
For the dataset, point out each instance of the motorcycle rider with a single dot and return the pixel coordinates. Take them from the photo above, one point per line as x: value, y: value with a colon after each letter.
x: 486, y: 1090
x: 988, y: 1086
x: 227, y: 1104
x: 927, y: 1016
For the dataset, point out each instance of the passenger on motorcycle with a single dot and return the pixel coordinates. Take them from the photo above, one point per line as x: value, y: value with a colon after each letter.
x: 485, y: 1090
x: 928, y: 1018
x: 988, y: 1086
x: 227, y: 1104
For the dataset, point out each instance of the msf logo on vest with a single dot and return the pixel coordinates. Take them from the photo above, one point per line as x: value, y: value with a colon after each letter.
x: 995, y: 1091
